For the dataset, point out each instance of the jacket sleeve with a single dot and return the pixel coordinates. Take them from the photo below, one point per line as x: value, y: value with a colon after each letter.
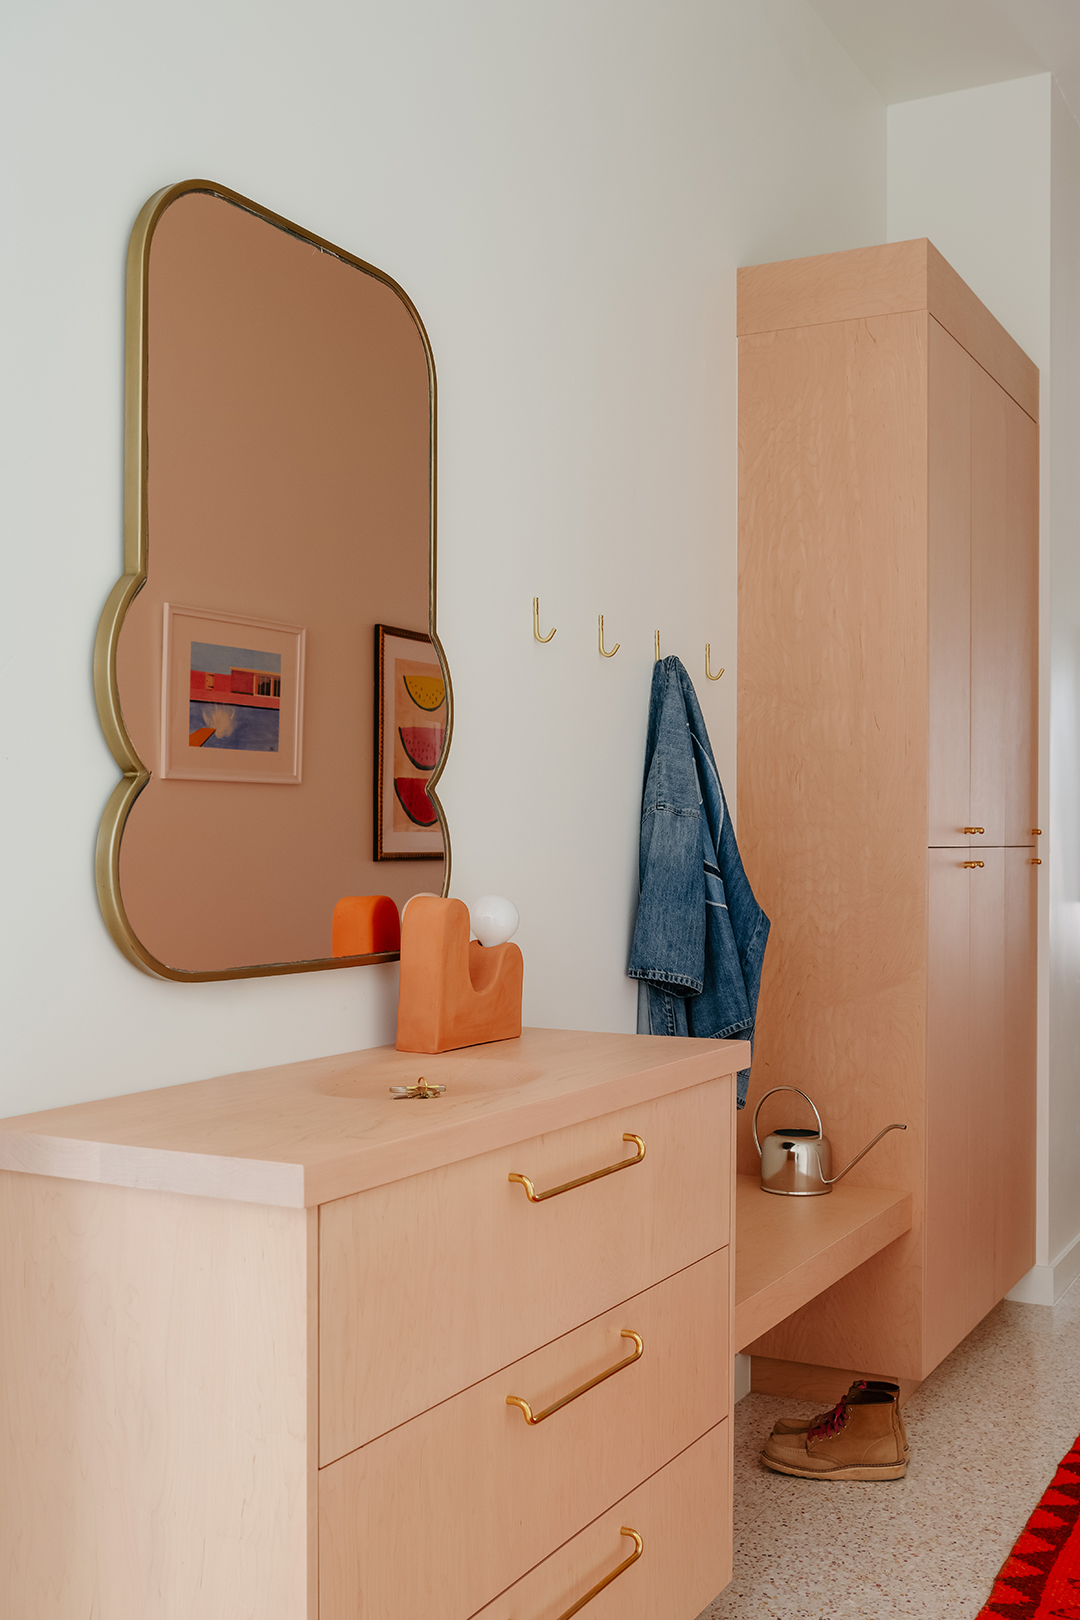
x: 669, y: 937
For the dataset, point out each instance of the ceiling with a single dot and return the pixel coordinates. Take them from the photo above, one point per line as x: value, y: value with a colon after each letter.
x: 914, y: 48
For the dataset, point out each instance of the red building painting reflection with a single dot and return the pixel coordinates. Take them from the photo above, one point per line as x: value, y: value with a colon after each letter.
x: 235, y: 698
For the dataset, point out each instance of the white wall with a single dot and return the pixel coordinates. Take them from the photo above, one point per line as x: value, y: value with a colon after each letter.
x: 565, y: 190
x: 1063, y: 518
x: 971, y: 170
x: 992, y: 176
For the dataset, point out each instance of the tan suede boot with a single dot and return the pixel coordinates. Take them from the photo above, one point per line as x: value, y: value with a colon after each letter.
x: 856, y: 1393
x: 862, y: 1439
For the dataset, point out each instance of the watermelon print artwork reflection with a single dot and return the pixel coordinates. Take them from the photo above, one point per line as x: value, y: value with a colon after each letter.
x: 411, y: 724
x: 420, y: 728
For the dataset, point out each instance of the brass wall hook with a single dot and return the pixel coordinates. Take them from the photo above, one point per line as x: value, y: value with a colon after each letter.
x: 709, y: 676
x: 603, y: 650
x: 536, y: 622
x: 656, y: 646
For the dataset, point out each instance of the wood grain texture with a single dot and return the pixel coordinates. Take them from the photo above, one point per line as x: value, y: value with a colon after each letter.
x: 949, y: 372
x: 823, y: 1385
x: 307, y: 1132
x: 1020, y: 654
x: 871, y: 451
x: 986, y: 1140
x: 154, y: 1456
x: 1015, y: 1213
x: 850, y: 286
x: 788, y: 1249
x: 495, y: 1495
x: 947, y: 1281
x: 992, y: 666
x: 892, y: 279
x: 683, y: 1515
x: 396, y: 1259
x: 832, y: 763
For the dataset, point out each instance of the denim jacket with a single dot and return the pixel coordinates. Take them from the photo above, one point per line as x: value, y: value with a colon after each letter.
x: 700, y: 935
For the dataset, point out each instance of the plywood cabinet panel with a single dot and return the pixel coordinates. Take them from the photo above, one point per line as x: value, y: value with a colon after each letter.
x: 950, y: 1077
x: 1015, y: 1212
x: 683, y: 1563
x: 987, y: 1147
x: 154, y: 1405
x: 832, y: 761
x: 159, y: 1349
x: 992, y: 639
x: 883, y: 531
x: 496, y: 1495
x: 949, y: 372
x: 396, y: 1259
x: 1019, y: 653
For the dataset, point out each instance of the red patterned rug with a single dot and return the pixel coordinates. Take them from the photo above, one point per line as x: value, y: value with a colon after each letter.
x: 1040, y: 1579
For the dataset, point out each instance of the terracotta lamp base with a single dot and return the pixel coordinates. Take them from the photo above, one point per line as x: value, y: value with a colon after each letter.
x: 453, y: 992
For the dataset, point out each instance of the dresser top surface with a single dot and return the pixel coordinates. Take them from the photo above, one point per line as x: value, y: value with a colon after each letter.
x: 303, y: 1133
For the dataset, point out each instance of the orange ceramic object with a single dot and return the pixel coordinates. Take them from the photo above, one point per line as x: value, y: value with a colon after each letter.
x: 453, y: 992
x: 365, y: 924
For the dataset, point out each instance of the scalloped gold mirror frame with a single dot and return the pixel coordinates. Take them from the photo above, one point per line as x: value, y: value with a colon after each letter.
x: 135, y: 773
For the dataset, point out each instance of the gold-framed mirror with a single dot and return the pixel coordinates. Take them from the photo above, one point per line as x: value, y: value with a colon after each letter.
x: 279, y: 577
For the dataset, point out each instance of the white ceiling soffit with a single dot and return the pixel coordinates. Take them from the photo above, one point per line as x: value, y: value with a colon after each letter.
x: 914, y: 48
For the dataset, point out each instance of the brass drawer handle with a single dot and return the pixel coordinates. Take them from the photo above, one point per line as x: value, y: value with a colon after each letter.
x: 568, y: 1186
x: 594, y: 1591
x: 974, y: 829
x: 516, y: 1400
x: 972, y: 863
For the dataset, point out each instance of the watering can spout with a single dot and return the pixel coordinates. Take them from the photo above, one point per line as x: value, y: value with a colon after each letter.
x: 832, y: 1180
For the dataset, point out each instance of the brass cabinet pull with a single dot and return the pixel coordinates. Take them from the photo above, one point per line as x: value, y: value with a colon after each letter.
x: 516, y: 1400
x: 620, y: 1569
x: 594, y: 1591
x: 1036, y: 862
x: 974, y: 829
x: 1036, y: 832
x: 609, y: 1170
x: 972, y: 863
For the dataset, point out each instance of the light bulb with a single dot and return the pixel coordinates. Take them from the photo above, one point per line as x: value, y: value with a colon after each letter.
x: 494, y: 919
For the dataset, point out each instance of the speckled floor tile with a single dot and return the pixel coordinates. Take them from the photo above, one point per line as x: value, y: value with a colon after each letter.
x: 987, y: 1430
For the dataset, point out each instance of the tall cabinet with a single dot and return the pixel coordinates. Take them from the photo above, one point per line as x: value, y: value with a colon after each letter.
x: 887, y: 783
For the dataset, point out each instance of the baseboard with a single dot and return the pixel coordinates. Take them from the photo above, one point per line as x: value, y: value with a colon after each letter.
x: 1044, y: 1285
x: 742, y: 1376
x: 825, y: 1384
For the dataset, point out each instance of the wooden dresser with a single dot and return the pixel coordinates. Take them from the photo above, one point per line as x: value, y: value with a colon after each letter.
x: 888, y: 809
x: 258, y: 1336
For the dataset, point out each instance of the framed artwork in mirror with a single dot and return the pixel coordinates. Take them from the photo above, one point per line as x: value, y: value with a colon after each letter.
x: 410, y: 730
x: 232, y: 698
x: 279, y: 502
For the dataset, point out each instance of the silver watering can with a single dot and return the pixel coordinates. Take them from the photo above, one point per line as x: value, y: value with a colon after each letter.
x: 798, y: 1163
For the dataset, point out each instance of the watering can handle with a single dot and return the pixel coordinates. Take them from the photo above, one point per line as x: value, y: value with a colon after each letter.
x: 772, y: 1093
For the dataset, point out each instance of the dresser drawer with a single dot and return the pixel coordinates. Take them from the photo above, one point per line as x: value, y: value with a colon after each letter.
x: 431, y: 1283
x: 450, y: 1508
x: 683, y: 1516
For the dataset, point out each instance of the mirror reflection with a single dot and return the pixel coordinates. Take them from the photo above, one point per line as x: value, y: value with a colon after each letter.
x: 272, y: 690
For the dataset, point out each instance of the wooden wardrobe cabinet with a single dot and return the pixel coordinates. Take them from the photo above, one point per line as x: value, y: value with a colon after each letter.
x: 888, y: 614
x: 258, y: 1336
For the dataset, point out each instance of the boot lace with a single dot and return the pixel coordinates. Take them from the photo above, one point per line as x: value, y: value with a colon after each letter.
x: 833, y: 1421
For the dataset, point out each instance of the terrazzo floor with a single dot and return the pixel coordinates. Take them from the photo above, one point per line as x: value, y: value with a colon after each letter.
x: 987, y: 1430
